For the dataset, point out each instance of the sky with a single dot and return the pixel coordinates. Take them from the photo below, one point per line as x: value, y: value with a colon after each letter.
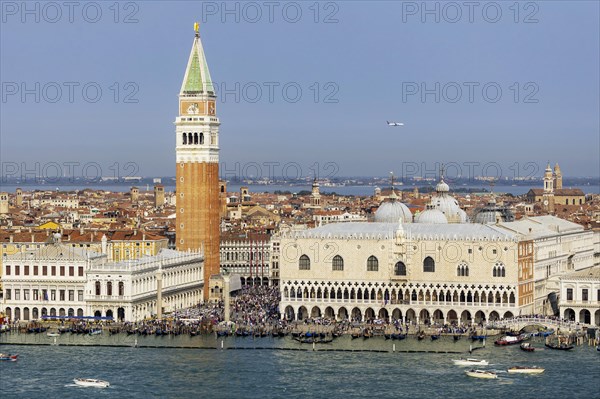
x: 496, y: 88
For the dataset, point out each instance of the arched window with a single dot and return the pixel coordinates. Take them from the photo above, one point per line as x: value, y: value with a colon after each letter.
x: 429, y: 265
x: 97, y: 287
x: 462, y: 269
x: 184, y: 138
x: 109, y: 288
x: 201, y: 138
x: 304, y: 263
x: 190, y: 138
x: 195, y: 138
x: 337, y: 263
x: 372, y: 264
x: 499, y: 270
x: 121, y: 288
x: 400, y: 269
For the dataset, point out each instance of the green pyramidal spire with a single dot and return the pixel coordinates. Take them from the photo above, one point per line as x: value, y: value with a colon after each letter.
x: 197, y: 77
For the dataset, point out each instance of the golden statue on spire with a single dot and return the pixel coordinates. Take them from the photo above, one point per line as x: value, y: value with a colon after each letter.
x: 197, y: 28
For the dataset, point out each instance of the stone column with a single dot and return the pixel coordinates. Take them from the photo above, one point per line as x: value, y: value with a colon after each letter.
x: 226, y: 296
x: 159, y: 293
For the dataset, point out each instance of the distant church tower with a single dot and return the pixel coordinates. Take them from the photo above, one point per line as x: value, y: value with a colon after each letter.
x: 548, y: 195
x: 315, y: 196
x: 159, y: 195
x: 3, y: 203
x: 557, y: 177
x: 197, y: 153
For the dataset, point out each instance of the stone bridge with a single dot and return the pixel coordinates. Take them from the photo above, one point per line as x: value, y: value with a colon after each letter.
x: 521, y: 322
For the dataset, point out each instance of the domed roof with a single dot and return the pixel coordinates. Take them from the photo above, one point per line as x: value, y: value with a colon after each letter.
x: 487, y: 216
x: 442, y: 187
x: 393, y: 212
x: 463, y: 218
x: 431, y: 216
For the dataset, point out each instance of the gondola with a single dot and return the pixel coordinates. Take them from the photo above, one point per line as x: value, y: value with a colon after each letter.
x: 526, y: 347
x: 421, y: 335
x: 561, y: 347
x: 398, y: 336
x: 456, y: 338
x: 435, y: 337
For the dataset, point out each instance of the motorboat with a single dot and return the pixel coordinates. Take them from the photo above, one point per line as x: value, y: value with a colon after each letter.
x: 525, y: 370
x: 508, y: 340
x: 9, y: 357
x: 481, y: 374
x: 95, y: 331
x: 89, y: 382
x: 526, y: 346
x: 470, y: 362
x: 53, y: 334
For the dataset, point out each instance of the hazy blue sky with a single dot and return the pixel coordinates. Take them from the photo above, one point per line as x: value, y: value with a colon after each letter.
x: 368, y: 57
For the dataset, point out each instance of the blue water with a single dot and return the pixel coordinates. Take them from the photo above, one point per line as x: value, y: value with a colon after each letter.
x: 47, y: 371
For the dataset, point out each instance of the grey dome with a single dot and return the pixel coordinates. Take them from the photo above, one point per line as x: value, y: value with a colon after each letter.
x: 393, y: 212
x: 431, y: 216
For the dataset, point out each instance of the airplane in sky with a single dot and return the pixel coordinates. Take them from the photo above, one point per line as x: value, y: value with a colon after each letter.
x: 395, y: 123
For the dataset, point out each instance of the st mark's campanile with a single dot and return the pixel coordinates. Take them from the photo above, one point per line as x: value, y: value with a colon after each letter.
x: 197, y: 153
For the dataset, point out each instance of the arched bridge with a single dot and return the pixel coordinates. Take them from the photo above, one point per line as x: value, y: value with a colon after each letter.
x: 520, y: 322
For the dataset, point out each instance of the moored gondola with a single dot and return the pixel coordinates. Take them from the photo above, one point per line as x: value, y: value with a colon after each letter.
x: 560, y: 347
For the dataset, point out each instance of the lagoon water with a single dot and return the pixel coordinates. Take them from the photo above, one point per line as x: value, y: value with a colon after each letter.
x: 283, y: 368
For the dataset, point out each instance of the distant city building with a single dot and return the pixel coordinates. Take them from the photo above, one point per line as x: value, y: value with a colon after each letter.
x: 553, y: 194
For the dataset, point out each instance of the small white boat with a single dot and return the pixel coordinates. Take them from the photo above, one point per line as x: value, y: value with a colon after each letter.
x: 9, y: 357
x: 95, y: 332
x: 470, y: 362
x: 53, y: 334
x: 525, y: 370
x: 90, y: 382
x: 481, y: 374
